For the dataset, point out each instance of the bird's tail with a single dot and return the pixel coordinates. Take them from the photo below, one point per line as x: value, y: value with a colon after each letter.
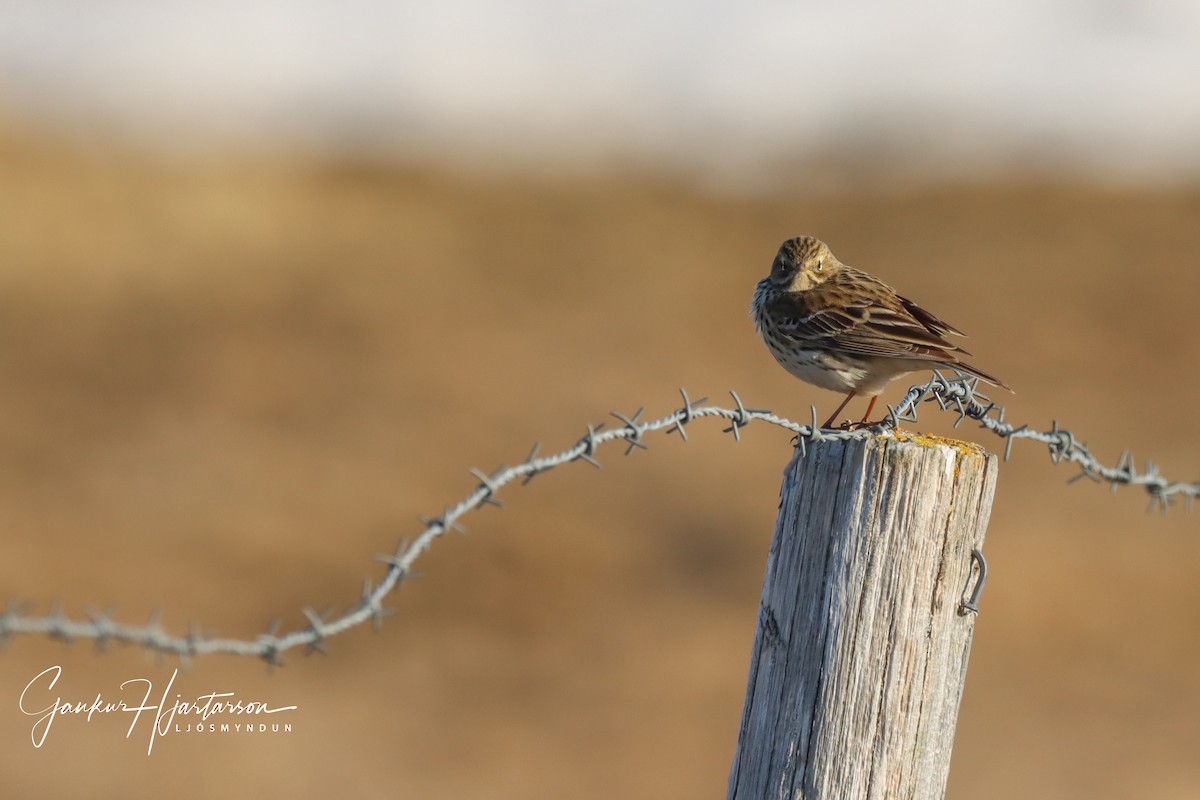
x: 963, y: 366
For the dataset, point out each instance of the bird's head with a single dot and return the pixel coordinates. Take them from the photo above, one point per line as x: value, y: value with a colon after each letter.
x: 802, y: 263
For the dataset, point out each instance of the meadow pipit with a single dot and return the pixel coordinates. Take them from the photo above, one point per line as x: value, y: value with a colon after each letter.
x: 839, y: 328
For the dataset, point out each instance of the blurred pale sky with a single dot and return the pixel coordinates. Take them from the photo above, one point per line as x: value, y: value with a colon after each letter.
x: 1107, y: 87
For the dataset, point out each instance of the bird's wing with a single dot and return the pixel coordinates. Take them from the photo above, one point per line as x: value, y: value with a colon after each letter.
x: 937, y: 326
x: 855, y: 313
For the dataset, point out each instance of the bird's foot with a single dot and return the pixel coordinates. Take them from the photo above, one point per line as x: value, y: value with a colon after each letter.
x: 860, y: 425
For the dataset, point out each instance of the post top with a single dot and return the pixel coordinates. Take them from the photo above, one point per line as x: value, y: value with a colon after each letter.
x: 933, y: 440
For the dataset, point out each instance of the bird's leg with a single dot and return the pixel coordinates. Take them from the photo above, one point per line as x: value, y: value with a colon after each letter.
x: 833, y: 416
x: 870, y: 406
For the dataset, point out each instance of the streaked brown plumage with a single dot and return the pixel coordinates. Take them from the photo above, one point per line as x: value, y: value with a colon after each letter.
x: 839, y: 328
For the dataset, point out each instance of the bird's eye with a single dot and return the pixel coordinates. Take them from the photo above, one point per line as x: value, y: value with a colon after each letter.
x: 820, y: 263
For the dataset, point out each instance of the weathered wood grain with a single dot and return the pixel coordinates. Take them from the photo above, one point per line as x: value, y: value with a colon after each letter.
x: 860, y: 654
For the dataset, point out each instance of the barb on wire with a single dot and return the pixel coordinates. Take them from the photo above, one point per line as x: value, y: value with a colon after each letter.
x: 959, y: 395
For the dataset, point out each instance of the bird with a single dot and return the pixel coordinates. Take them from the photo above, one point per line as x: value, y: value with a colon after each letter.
x: 842, y: 329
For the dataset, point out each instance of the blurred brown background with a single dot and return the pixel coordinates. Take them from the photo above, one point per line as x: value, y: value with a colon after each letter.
x: 268, y: 291
x: 227, y: 384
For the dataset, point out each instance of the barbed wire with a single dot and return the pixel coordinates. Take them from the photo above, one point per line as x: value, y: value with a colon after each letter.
x: 963, y: 395
x: 960, y: 395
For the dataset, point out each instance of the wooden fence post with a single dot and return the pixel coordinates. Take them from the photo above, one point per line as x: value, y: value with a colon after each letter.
x: 861, y: 651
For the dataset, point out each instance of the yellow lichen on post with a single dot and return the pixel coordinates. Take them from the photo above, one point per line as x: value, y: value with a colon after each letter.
x: 933, y: 440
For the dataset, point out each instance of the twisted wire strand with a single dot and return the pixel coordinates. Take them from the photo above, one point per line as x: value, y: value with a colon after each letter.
x: 960, y: 395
